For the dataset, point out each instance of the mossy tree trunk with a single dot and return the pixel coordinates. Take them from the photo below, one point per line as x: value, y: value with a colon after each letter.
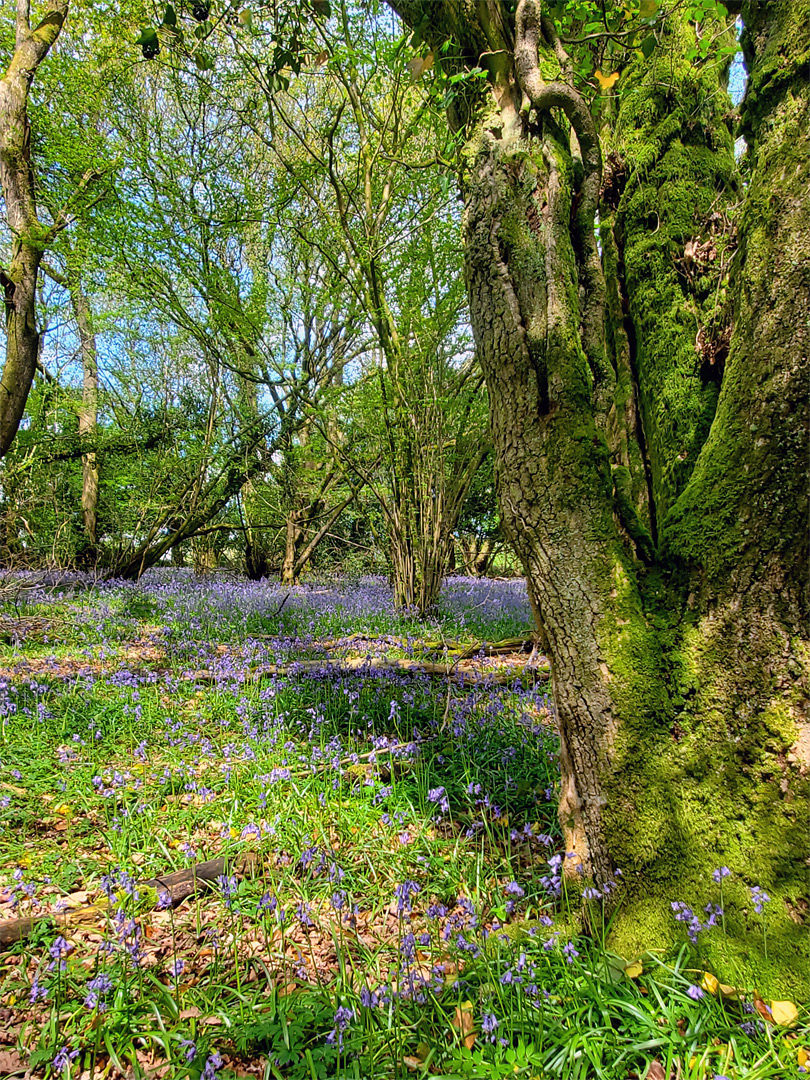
x: 672, y: 179
x: 674, y: 663
x: 738, y: 531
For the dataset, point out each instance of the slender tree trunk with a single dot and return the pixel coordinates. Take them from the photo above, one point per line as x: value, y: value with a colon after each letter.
x: 292, y: 536
x: 403, y: 568
x: 19, y: 280
x: 88, y: 413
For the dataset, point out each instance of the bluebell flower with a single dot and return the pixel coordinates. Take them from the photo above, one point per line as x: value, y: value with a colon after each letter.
x: 267, y: 903
x: 343, y: 1017
x: 189, y: 1049
x: 212, y: 1065
x: 59, y: 951
x: 760, y: 897
x: 369, y: 999
x: 489, y: 1025
x: 63, y: 1058
x: 403, y: 893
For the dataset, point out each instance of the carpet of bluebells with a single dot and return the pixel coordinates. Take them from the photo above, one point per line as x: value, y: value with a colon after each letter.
x: 391, y: 902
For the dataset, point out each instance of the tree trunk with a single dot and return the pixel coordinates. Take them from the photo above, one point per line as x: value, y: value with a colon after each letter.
x: 204, y: 554
x: 739, y: 530
x: 29, y: 237
x: 522, y: 276
x: 292, y: 536
x: 403, y: 567
x: 675, y: 669
x: 258, y: 559
x: 88, y: 413
x: 477, y: 554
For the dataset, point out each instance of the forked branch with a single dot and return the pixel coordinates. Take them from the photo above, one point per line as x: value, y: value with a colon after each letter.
x: 532, y: 29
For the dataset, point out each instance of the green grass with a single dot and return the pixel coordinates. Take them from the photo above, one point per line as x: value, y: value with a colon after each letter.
x: 395, y: 909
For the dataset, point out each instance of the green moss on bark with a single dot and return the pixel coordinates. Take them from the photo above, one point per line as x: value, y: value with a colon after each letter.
x: 673, y: 131
x: 702, y: 775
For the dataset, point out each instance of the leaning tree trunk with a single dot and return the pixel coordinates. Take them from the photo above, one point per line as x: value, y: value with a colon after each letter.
x: 676, y: 715
x: 29, y: 236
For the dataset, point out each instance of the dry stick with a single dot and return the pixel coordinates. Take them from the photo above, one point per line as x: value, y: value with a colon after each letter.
x: 361, y: 664
x: 460, y: 650
x: 179, y: 885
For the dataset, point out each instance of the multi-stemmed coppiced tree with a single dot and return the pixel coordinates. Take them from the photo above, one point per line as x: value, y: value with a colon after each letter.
x: 364, y: 164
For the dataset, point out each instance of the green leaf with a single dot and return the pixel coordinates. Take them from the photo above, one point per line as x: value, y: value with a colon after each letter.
x: 648, y: 46
x: 147, y: 36
x: 170, y: 16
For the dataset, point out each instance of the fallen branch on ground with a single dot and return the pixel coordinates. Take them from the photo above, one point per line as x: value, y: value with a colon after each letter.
x: 361, y: 664
x: 180, y: 884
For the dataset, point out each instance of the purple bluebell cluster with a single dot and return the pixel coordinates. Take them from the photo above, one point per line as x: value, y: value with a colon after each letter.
x: 345, y: 785
x: 343, y: 1017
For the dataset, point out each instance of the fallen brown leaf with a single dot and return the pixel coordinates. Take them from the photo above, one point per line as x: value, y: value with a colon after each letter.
x: 11, y: 1062
x: 463, y: 1020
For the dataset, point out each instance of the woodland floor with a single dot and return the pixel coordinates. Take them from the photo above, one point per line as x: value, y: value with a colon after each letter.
x: 379, y: 792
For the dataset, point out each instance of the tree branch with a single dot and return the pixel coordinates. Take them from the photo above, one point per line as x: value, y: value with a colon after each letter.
x: 530, y: 30
x: 23, y: 25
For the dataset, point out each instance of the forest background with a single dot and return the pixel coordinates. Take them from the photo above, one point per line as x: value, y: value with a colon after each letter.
x: 289, y: 281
